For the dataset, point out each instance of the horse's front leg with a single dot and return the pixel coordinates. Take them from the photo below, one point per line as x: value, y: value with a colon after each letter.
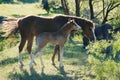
x: 61, y: 55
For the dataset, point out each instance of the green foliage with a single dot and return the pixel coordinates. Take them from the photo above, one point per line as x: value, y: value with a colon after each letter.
x: 28, y: 1
x: 105, y: 68
x: 115, y: 17
x: 54, y: 3
x: 8, y: 42
x: 78, y: 65
x: 6, y: 1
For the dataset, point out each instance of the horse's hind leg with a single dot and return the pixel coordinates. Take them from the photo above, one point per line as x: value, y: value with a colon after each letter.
x: 29, y: 47
x: 22, y: 43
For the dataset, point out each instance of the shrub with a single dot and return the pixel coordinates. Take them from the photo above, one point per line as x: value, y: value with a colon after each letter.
x: 6, y: 1
x: 105, y: 68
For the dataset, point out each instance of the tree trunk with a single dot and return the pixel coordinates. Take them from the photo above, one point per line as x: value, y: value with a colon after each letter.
x: 77, y: 6
x: 103, y: 8
x: 110, y: 7
x: 91, y: 9
x: 45, y: 5
x: 64, y: 4
x: 105, y: 18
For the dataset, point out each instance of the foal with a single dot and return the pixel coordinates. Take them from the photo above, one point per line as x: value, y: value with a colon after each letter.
x: 56, y: 38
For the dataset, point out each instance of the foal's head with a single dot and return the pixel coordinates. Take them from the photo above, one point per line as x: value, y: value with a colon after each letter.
x: 73, y: 25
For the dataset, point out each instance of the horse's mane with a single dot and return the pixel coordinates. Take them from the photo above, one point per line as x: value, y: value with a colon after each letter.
x: 65, y: 25
x: 87, y: 22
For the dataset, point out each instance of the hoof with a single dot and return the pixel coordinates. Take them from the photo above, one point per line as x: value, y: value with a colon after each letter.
x: 53, y: 63
x: 21, y: 64
x: 43, y: 66
x: 30, y: 65
x: 34, y: 63
x: 59, y: 60
x: 61, y: 66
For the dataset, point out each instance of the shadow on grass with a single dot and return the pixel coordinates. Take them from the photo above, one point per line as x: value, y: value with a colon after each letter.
x: 29, y: 1
x: 33, y: 75
x: 45, y: 14
x: 62, y: 72
x: 76, y: 52
x: 17, y: 16
x: 8, y: 61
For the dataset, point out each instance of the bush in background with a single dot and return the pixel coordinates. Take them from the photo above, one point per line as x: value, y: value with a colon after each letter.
x: 105, y: 66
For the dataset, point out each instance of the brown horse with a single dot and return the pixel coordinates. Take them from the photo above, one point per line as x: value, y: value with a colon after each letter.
x: 57, y: 38
x: 31, y: 26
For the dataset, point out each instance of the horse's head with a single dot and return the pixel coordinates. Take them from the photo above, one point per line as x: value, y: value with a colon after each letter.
x: 88, y: 30
x: 74, y: 25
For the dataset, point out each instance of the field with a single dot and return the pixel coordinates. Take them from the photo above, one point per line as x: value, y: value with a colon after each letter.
x: 75, y: 59
x: 75, y: 65
x: 78, y: 64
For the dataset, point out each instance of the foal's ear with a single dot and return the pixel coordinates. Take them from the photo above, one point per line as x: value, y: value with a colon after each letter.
x: 72, y: 20
x: 69, y: 19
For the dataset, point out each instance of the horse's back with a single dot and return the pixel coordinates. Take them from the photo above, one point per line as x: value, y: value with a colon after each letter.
x: 35, y: 25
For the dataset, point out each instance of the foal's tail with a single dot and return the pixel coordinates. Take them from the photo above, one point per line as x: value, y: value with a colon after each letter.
x: 11, y: 27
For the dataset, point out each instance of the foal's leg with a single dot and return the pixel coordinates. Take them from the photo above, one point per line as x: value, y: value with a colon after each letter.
x: 56, y: 50
x: 32, y: 58
x: 41, y: 61
x: 22, y: 43
x: 29, y: 47
x: 61, y: 55
x: 39, y: 47
x: 58, y: 53
x: 42, y: 44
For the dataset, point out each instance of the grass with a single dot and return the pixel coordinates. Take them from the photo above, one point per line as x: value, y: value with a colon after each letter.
x: 20, y: 10
x: 78, y: 65
x: 75, y: 65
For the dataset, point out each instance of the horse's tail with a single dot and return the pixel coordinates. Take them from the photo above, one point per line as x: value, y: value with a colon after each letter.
x: 11, y: 27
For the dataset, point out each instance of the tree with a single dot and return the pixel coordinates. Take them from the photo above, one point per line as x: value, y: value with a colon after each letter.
x: 45, y: 5
x: 103, y: 4
x: 91, y: 9
x: 77, y: 6
x: 109, y: 7
x: 64, y: 4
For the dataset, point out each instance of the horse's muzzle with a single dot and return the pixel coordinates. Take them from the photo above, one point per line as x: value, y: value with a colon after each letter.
x: 93, y: 39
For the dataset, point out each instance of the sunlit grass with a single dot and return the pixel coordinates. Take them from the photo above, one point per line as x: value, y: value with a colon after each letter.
x: 78, y: 65
x: 75, y: 61
x: 20, y: 10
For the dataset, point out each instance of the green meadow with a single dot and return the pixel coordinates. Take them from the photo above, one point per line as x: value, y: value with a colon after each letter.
x: 79, y: 64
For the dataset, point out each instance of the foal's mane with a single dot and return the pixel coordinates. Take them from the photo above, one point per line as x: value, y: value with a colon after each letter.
x: 66, y: 25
